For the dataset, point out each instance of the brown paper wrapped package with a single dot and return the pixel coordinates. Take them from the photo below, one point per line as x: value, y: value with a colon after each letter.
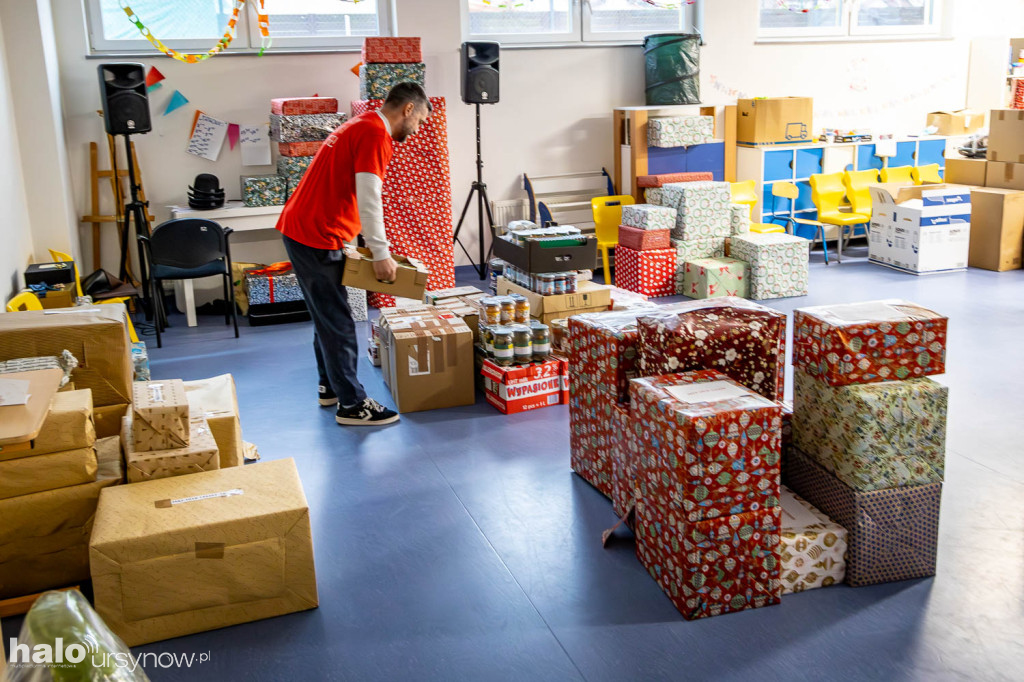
x: 38, y: 473
x: 44, y: 537
x: 69, y: 426
x: 215, y: 399
x: 160, y: 415
x: 200, y: 454
x: 189, y: 554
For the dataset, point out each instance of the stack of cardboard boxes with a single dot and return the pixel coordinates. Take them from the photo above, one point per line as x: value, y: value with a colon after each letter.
x: 920, y: 229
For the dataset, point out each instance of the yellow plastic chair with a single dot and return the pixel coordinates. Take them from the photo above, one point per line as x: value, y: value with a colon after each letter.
x: 923, y: 174
x: 857, y: 184
x: 61, y: 257
x: 744, y: 193
x: 26, y: 300
x: 790, y: 192
x: 767, y: 228
x: 900, y: 174
x: 607, y: 217
x: 827, y: 192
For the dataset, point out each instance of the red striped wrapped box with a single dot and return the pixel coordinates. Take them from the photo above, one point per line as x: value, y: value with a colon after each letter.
x: 293, y: 106
x: 391, y: 50
x: 291, y: 149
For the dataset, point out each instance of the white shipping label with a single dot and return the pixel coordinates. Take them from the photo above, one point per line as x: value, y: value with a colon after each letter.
x: 156, y: 393
x: 208, y: 496
x: 414, y: 366
x: 708, y: 392
x: 871, y: 311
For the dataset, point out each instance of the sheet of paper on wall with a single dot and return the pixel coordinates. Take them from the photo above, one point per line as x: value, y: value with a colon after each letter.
x: 208, y: 135
x: 255, y: 141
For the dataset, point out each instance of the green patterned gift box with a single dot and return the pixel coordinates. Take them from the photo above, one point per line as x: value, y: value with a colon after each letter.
x: 649, y: 217
x: 778, y: 263
x: 376, y: 80
x: 680, y: 131
x: 263, y: 190
x: 702, y: 209
x: 714, y: 277
x: 873, y: 436
x: 293, y: 167
x: 713, y: 247
x: 654, y: 195
x: 813, y: 546
x: 739, y: 215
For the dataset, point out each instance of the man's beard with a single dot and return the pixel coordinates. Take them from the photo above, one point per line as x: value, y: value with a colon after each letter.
x: 403, y: 133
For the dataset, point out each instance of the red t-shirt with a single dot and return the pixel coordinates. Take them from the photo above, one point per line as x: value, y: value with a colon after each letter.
x: 322, y: 212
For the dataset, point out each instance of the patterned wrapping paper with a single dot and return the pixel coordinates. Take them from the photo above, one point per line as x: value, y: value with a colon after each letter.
x: 702, y: 208
x: 715, y: 277
x: 860, y: 343
x: 893, y: 534
x: 140, y: 361
x: 640, y: 239
x: 739, y: 219
x: 418, y: 199
x: 662, y: 179
x: 589, y: 423
x: 160, y: 414
x: 293, y: 167
x: 308, y: 148
x: 304, y: 128
x: 357, y: 303
x: 705, y: 459
x: 712, y: 567
x: 649, y: 217
x: 873, y: 436
x: 290, y: 189
x: 376, y: 80
x: 292, y: 106
x: 651, y: 273
x: 654, y: 195
x: 778, y: 263
x: 391, y: 50
x: 263, y: 190
x: 201, y: 454
x: 787, y: 428
x: 624, y: 452
x: 272, y: 288
x: 680, y: 131
x: 714, y: 247
x: 737, y: 337
x: 813, y: 548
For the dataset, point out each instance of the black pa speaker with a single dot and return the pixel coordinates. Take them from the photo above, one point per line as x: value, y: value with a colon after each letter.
x: 480, y: 72
x: 125, y: 102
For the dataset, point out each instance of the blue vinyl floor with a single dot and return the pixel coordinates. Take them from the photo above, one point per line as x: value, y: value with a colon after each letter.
x: 458, y: 545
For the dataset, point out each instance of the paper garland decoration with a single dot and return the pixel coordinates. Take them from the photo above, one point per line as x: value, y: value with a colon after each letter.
x: 177, y: 101
x: 222, y: 44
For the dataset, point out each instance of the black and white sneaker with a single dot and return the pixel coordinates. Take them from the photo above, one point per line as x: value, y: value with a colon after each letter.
x: 367, y: 413
x: 326, y: 396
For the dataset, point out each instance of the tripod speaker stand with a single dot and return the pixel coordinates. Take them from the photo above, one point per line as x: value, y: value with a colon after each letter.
x: 483, y: 206
x: 135, y: 216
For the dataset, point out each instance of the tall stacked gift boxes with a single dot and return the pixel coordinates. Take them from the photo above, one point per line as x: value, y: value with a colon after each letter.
x: 869, y: 430
x: 644, y: 258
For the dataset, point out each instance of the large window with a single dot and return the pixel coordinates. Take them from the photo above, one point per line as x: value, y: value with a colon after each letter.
x: 573, y: 21
x: 849, y: 18
x: 196, y: 25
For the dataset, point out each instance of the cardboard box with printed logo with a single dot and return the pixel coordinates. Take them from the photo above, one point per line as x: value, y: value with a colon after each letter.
x: 589, y: 298
x: 774, y: 120
x: 520, y: 388
x: 160, y: 415
x: 187, y: 554
x: 920, y: 229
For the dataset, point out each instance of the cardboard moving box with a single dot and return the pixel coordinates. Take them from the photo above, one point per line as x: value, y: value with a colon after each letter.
x: 430, y: 364
x: 589, y: 298
x: 215, y: 398
x: 160, y: 415
x: 970, y: 172
x: 189, y: 554
x: 97, y: 336
x: 1004, y: 175
x: 953, y: 123
x: 200, y: 454
x: 526, y: 387
x: 410, y: 281
x: 1006, y: 136
x: 997, y: 229
x: 28, y: 475
x: 774, y: 121
x: 920, y: 229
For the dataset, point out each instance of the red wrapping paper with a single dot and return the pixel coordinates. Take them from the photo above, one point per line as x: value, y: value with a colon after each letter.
x: 666, y: 178
x: 308, y: 148
x: 892, y: 340
x: 742, y: 339
x: 418, y: 199
x: 651, y: 273
x: 296, y: 106
x: 392, y: 50
x: 706, y: 459
x: 624, y: 451
x: 589, y: 431
x: 644, y: 240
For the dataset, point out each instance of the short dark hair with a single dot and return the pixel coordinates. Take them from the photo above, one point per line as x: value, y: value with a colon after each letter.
x: 405, y: 92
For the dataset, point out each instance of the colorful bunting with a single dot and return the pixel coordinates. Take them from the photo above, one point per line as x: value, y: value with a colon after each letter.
x: 233, y: 134
x: 153, y: 78
x: 177, y: 101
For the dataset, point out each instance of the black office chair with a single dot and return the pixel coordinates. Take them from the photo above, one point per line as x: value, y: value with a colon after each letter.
x: 188, y: 248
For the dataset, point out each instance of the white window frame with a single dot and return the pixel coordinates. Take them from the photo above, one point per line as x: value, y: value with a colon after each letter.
x: 848, y: 28
x: 934, y: 28
x: 842, y: 30
x: 580, y: 35
x: 247, y: 36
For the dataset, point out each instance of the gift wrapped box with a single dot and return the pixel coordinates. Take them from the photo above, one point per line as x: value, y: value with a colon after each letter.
x: 292, y: 106
x: 376, y: 80
x: 417, y: 199
x: 391, y: 50
x: 651, y: 273
x: 702, y: 208
x: 893, y: 534
x: 714, y: 277
x: 710, y: 447
x: 305, y: 127
x: 778, y: 263
x: 263, y: 190
x: 787, y: 426
x: 680, y: 131
x: 654, y: 195
x: 649, y: 217
x: 859, y: 343
x: 589, y: 415
x: 38, y: 473
x: 161, y: 415
x: 357, y: 303
x: 711, y: 567
x: 639, y: 239
x: 712, y: 247
x: 309, y: 148
x: 603, y: 350
x: 293, y: 167
x: 813, y: 546
x: 739, y: 219
x: 663, y: 179
x: 290, y: 189
x: 201, y: 454
x: 624, y: 452
x: 275, y: 283
x: 68, y: 426
x: 739, y: 338
x: 140, y: 361
x: 873, y: 436
x: 217, y: 401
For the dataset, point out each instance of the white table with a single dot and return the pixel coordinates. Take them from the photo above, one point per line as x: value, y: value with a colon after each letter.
x: 238, y: 217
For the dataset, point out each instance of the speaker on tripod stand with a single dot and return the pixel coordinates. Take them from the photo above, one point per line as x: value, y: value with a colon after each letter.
x: 480, y: 69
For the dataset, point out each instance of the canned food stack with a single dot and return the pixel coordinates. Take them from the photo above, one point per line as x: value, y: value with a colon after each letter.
x: 869, y: 431
x: 299, y: 125
x: 521, y: 232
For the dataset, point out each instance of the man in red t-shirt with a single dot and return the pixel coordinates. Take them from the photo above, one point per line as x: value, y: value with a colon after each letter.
x: 339, y: 198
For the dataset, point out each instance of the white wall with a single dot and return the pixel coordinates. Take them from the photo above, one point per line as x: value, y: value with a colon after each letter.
x: 15, y: 235
x: 555, y: 109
